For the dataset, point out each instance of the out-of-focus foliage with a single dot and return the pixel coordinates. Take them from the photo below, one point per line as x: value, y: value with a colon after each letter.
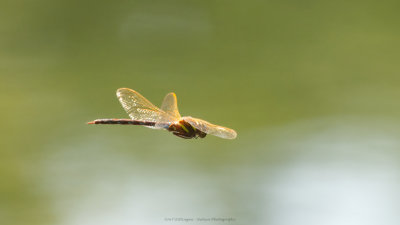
x: 310, y: 86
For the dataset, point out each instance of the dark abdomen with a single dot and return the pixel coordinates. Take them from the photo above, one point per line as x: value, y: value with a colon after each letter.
x: 122, y: 122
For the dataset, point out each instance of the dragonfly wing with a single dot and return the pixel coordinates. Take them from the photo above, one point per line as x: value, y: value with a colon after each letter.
x: 139, y: 108
x: 209, y: 128
x: 170, y: 105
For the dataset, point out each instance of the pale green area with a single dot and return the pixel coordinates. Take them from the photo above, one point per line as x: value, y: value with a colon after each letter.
x: 311, y: 87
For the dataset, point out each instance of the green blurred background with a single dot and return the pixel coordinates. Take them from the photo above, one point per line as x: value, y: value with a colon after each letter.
x: 311, y: 87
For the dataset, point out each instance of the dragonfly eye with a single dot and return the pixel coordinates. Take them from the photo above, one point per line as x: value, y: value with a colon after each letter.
x: 202, y: 134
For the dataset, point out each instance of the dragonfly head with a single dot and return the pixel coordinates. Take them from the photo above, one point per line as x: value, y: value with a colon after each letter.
x: 200, y: 134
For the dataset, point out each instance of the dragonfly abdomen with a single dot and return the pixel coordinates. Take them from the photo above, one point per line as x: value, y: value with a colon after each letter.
x: 122, y: 122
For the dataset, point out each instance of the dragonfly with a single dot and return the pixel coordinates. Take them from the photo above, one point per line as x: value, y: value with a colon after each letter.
x: 142, y: 112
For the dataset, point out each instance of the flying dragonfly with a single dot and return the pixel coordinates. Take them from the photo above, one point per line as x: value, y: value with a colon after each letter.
x: 143, y: 112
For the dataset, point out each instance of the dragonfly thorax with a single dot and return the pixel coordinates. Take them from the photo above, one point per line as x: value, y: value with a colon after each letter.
x: 184, y: 130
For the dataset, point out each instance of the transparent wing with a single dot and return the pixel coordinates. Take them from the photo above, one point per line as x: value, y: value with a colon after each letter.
x: 170, y: 105
x: 209, y: 128
x: 139, y: 108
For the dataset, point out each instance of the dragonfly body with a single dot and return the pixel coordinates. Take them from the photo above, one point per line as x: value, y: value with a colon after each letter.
x: 181, y: 129
x: 143, y: 112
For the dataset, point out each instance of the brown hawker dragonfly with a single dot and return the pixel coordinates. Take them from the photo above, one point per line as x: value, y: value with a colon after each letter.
x: 143, y: 112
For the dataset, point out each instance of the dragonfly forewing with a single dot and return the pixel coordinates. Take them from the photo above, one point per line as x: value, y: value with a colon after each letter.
x: 209, y: 128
